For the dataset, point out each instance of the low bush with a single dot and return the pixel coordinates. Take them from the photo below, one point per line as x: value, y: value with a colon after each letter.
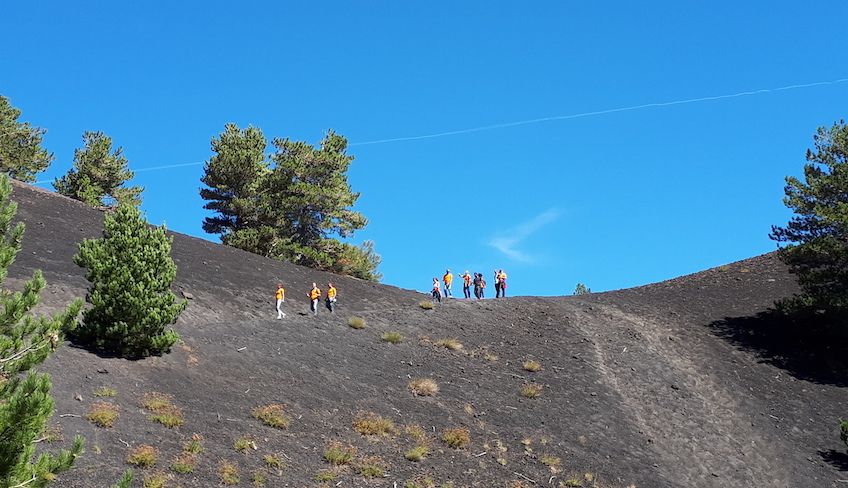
x: 532, y: 365
x: 229, y: 473
x: 356, y: 322
x: 531, y: 390
x: 184, y: 463
x: 105, y: 391
x: 457, y: 438
x: 102, y: 414
x: 242, y: 444
x: 272, y: 416
x: 155, y: 480
x: 453, y: 344
x: 426, y: 305
x: 423, y: 387
x: 392, y: 337
x: 417, y: 453
x: 338, y: 454
x: 371, y: 467
x: 369, y: 423
x: 143, y: 456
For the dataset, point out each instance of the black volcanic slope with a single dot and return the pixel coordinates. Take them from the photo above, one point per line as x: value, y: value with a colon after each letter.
x: 672, y: 384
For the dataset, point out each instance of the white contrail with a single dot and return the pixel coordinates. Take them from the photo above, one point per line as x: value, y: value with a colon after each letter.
x: 542, y: 119
x: 598, y: 112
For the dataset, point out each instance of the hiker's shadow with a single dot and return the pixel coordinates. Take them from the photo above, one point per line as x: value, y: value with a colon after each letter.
x: 837, y: 459
x: 802, y: 345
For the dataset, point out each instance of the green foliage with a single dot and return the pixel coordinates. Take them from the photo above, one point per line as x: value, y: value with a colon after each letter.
x: 582, y: 289
x: 817, y: 235
x: 25, y: 342
x: 289, y: 205
x: 126, y: 480
x: 130, y: 269
x: 21, y: 154
x: 99, y: 174
x: 843, y: 431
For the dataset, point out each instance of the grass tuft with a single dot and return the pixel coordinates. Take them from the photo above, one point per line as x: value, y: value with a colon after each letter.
x: 155, y: 480
x: 258, y: 478
x: 457, y: 438
x: 550, y: 461
x: 392, y: 337
x: 272, y: 461
x: 416, y: 432
x: 156, y: 402
x: 105, y: 391
x: 325, y: 475
x: 426, y: 305
x: 170, y: 417
x: 423, y: 387
x: 102, y: 414
x: 531, y: 390
x: 242, y: 444
x: 356, y: 323
x: 229, y: 473
x: 143, y: 456
x: 338, y: 454
x: 451, y: 343
x: 417, y: 453
x: 369, y: 423
x: 491, y: 357
x: 371, y: 467
x: 184, y: 463
x: 532, y: 365
x: 272, y: 416
x: 194, y: 445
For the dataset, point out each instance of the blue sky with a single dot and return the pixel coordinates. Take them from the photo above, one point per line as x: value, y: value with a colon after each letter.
x: 612, y: 200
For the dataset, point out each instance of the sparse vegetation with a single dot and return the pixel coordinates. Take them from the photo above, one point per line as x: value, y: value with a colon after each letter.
x: 184, y: 463
x: 258, y: 478
x: 272, y: 461
x: 229, y: 473
x: 417, y: 453
x: 369, y: 423
x: 457, y: 438
x: 392, y: 337
x: 194, y: 445
x: 452, y: 343
x: 170, y: 417
x: 491, y: 357
x: 550, y: 461
x: 155, y: 480
x: 105, y: 391
x: 423, y: 387
x: 420, y: 482
x: 371, y: 467
x: 571, y: 483
x: 356, y: 323
x: 426, y: 305
x: 325, y: 475
x: 272, y: 416
x: 531, y: 390
x: 102, y: 414
x: 155, y: 401
x: 243, y: 444
x: 162, y: 408
x: 582, y: 289
x: 416, y: 432
x: 338, y: 454
x: 532, y: 365
x: 143, y: 456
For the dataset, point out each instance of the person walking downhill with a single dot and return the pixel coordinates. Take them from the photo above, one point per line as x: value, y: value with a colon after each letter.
x: 437, y: 292
x: 314, y: 295
x: 280, y: 295
x: 448, y: 279
x: 331, y: 297
x: 502, y: 282
x: 466, y: 284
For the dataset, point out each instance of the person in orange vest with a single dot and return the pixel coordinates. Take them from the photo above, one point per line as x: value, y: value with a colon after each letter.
x: 482, y: 286
x: 501, y: 284
x: 448, y: 279
x: 466, y: 284
x: 280, y: 295
x: 331, y: 297
x: 314, y: 295
x: 437, y: 292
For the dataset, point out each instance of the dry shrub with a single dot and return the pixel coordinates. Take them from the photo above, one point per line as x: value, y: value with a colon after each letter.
x: 156, y: 402
x: 371, y: 467
x: 272, y: 416
x: 417, y: 453
x: 369, y: 423
x: 451, y: 343
x: 457, y: 438
x: 423, y: 387
x: 143, y: 456
x: 356, y: 323
x: 531, y: 390
x: 392, y: 337
x: 184, y: 463
x: 229, y: 473
x: 532, y: 365
x: 426, y: 305
x: 102, y: 414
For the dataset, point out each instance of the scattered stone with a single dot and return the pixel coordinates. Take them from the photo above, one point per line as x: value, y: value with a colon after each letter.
x: 187, y: 295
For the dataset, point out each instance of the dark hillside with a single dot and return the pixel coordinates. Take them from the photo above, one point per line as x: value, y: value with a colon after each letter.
x: 667, y: 385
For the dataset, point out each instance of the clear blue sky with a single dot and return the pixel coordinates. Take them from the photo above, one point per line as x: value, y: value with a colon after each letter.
x: 611, y: 200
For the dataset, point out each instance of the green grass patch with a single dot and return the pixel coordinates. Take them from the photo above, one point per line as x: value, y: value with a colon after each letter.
x: 272, y: 416
x: 392, y: 337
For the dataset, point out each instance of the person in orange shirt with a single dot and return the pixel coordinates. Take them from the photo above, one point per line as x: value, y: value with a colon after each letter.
x: 448, y: 279
x: 280, y: 295
x: 466, y: 284
x: 331, y: 297
x: 437, y: 292
x: 314, y: 295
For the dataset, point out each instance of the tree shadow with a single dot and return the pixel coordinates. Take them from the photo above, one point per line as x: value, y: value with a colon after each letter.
x: 808, y: 346
x: 837, y: 459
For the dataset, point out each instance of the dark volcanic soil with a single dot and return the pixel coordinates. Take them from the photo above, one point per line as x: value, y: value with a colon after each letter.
x: 677, y: 384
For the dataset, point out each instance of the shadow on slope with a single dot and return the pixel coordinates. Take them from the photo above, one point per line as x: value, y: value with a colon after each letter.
x: 805, y: 345
x: 837, y: 459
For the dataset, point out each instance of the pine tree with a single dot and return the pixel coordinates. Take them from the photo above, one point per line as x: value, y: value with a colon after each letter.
x: 99, y: 174
x: 582, y: 289
x: 21, y: 154
x: 25, y: 342
x: 130, y: 269
x: 817, y: 236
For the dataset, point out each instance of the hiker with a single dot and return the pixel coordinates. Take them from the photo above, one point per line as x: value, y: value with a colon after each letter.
x: 477, y: 285
x: 331, y: 297
x: 482, y: 286
x: 448, y: 279
x: 497, y: 283
x: 314, y: 295
x: 502, y: 282
x: 280, y: 295
x: 437, y: 292
x: 466, y: 284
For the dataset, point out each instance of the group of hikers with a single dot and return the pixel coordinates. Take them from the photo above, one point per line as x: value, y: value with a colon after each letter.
x: 478, y: 282
x: 314, y: 298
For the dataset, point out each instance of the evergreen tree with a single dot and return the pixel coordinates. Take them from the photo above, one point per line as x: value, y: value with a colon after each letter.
x: 130, y: 269
x: 817, y: 236
x: 582, y: 289
x: 99, y: 174
x: 21, y: 154
x: 25, y: 342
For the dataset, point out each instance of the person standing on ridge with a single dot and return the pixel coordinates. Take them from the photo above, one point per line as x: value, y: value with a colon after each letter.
x: 482, y: 286
x: 448, y: 279
x: 280, y: 295
x: 314, y: 295
x: 477, y: 285
x: 331, y: 297
x: 497, y: 283
x: 466, y: 284
x: 502, y: 282
x: 437, y: 292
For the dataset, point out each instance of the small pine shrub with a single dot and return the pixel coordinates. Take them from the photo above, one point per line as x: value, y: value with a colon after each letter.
x: 356, y: 323
x: 229, y: 473
x: 272, y: 416
x: 532, y: 365
x: 417, y: 453
x: 531, y: 390
x: 338, y: 454
x: 426, y: 305
x: 457, y: 438
x: 369, y: 423
x: 102, y: 414
x: 453, y: 344
x: 392, y: 337
x: 184, y: 463
x: 423, y: 387
x: 143, y: 456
